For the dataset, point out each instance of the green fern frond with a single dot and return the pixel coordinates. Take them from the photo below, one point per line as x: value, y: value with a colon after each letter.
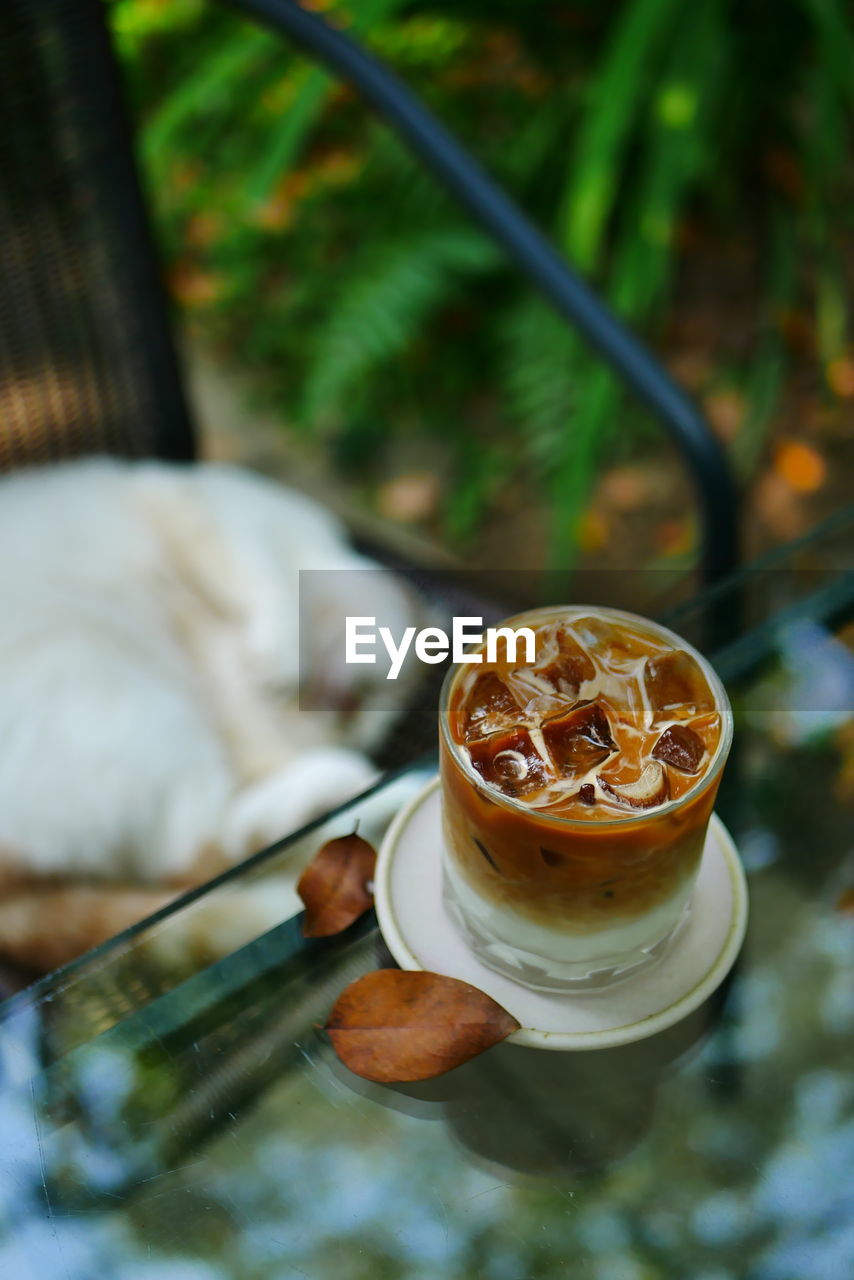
x: 292, y: 130
x: 679, y: 119
x: 539, y: 352
x: 381, y: 306
x: 480, y: 470
x: 574, y: 471
x: 834, y: 26
x: 615, y: 99
x: 218, y: 74
x: 289, y: 135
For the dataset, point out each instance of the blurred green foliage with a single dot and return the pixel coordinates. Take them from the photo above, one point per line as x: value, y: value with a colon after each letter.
x: 306, y: 243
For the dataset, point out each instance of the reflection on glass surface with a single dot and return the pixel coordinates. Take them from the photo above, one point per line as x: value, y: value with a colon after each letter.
x: 167, y: 1116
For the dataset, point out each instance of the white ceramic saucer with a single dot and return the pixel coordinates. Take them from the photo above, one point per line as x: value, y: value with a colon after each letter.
x: 421, y: 935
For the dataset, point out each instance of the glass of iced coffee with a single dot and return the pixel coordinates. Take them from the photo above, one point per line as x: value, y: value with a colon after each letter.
x: 576, y: 791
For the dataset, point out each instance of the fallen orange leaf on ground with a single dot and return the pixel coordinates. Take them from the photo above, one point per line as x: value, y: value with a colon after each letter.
x: 800, y: 465
x: 592, y: 530
x: 675, y: 537
x: 840, y: 375
x: 625, y: 488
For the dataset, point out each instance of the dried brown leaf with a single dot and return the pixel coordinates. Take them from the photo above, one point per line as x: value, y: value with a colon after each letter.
x: 393, y: 1025
x: 334, y: 885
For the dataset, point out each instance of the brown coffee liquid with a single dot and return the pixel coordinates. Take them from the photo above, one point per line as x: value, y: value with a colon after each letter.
x: 608, y: 722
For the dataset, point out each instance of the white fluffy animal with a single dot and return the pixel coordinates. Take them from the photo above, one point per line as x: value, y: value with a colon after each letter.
x: 149, y: 653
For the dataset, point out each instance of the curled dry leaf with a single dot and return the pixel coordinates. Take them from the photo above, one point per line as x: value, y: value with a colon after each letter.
x: 334, y: 885
x: 393, y: 1026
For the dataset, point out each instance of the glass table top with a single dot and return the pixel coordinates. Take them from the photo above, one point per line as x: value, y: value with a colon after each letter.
x: 170, y: 1108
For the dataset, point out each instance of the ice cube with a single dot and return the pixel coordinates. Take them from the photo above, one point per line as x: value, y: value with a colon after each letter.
x: 510, y: 761
x: 680, y: 747
x: 587, y: 793
x: 579, y: 739
x: 676, y: 687
x: 490, y: 706
x: 599, y: 631
x: 649, y: 789
x: 617, y: 648
x: 570, y: 667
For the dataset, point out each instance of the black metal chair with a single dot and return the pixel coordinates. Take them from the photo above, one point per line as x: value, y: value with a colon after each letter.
x: 87, y: 361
